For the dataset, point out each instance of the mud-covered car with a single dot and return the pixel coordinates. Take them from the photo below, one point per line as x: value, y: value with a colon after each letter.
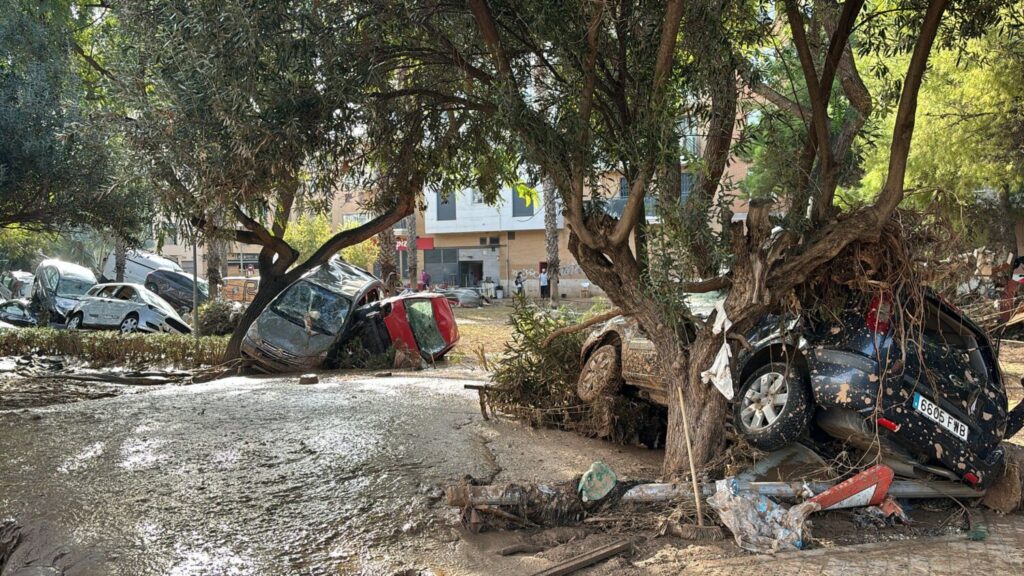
x: 16, y: 285
x: 57, y: 288
x: 125, y: 307
x: 312, y: 320
x: 940, y: 408
x: 463, y: 297
x: 18, y: 313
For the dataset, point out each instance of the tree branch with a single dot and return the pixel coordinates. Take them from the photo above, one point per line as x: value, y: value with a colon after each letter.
x: 903, y: 131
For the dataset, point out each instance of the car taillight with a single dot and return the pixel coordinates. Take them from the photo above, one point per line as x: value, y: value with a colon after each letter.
x: 879, y: 315
x: 971, y: 478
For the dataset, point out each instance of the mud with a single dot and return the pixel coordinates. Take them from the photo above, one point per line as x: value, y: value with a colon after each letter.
x: 263, y: 476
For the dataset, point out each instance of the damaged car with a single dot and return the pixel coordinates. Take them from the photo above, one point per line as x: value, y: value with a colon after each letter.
x: 125, y: 307
x: 930, y: 402
x: 307, y: 325
x: 58, y: 287
x: 18, y: 313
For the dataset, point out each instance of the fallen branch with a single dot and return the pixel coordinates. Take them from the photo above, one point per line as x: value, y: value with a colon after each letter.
x: 590, y: 558
x: 582, y: 325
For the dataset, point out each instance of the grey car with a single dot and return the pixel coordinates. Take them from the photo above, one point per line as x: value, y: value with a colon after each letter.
x: 58, y: 287
x: 299, y: 327
x: 125, y: 307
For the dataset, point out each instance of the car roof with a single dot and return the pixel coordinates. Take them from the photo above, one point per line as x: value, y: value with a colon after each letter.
x: 21, y: 274
x: 119, y: 284
x: 339, y: 276
x: 68, y: 269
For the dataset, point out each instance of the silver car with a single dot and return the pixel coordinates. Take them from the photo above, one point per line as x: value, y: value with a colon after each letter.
x: 125, y: 307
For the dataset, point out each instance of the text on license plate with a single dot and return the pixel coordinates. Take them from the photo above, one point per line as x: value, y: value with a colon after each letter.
x: 940, y: 416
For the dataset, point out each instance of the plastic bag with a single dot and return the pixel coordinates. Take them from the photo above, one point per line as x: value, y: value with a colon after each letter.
x: 760, y: 524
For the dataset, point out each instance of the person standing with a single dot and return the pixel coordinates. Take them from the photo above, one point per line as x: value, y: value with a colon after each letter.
x: 545, y: 289
x: 519, y: 283
x: 424, y: 280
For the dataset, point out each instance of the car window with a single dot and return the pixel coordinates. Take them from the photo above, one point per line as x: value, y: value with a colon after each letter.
x: 325, y: 309
x: 50, y: 277
x: 424, y: 327
x: 126, y: 293
x: 6, y: 280
x: 73, y: 287
x: 106, y: 292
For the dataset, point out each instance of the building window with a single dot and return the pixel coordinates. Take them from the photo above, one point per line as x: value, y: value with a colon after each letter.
x: 494, y: 240
x: 483, y: 241
x: 623, y: 187
x: 445, y: 207
x: 520, y: 209
x: 686, y: 180
x: 511, y: 235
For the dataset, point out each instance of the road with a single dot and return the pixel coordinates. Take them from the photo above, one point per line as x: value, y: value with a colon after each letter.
x: 265, y: 476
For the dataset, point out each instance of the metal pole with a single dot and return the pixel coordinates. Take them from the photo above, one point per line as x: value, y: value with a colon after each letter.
x: 195, y: 285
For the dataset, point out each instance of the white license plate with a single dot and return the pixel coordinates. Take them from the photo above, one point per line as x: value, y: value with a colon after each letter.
x: 940, y: 416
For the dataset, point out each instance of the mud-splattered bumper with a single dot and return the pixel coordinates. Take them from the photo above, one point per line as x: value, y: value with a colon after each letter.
x: 851, y: 381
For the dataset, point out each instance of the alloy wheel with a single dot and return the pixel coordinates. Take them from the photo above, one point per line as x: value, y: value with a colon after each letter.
x: 764, y: 401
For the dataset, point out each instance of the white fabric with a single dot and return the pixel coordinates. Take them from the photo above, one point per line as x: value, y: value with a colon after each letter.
x: 720, y: 374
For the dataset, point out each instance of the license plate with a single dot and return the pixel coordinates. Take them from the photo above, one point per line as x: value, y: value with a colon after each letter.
x: 940, y: 416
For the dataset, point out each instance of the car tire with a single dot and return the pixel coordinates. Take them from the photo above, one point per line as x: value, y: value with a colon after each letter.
x: 75, y: 322
x: 130, y: 324
x: 774, y: 406
x: 601, y: 374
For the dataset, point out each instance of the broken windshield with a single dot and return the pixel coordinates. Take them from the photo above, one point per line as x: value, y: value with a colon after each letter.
x: 325, y: 311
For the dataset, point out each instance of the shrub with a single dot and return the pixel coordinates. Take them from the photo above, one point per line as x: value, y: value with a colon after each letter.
x: 115, y: 349
x: 536, y: 382
x: 219, y: 317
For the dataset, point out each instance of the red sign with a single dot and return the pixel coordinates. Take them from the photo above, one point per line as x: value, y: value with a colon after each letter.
x: 427, y: 243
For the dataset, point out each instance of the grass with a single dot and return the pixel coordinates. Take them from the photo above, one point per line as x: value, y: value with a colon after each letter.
x: 487, y: 329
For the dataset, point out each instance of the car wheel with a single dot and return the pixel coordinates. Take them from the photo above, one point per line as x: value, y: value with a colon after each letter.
x: 774, y: 406
x: 129, y: 324
x: 75, y: 322
x: 600, y: 375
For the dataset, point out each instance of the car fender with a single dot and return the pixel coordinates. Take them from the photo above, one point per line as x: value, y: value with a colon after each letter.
x: 614, y: 328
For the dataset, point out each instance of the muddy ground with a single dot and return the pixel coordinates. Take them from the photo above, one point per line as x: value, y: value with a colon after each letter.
x: 266, y: 476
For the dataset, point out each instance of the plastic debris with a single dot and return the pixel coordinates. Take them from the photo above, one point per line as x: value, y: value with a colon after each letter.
x: 867, y: 488
x: 597, y: 482
x: 759, y: 524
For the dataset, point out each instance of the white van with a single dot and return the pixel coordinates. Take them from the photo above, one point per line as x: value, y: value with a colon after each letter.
x: 137, y: 266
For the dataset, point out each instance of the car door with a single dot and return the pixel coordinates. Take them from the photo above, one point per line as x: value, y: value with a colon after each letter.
x: 93, y: 307
x: 640, y: 362
x: 120, y: 305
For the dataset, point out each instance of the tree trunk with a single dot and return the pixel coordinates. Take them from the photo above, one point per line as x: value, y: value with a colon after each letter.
x: 120, y: 255
x: 270, y: 286
x: 410, y: 248
x: 387, y: 258
x: 706, y: 408
x: 215, y: 252
x: 551, y: 240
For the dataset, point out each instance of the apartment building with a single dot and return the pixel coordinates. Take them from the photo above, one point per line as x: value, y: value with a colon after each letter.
x: 463, y: 241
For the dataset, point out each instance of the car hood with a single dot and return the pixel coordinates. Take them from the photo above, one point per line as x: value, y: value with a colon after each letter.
x: 283, y: 334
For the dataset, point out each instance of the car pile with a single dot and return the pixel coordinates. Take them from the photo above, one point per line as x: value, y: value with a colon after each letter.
x: 929, y: 404
x: 311, y: 323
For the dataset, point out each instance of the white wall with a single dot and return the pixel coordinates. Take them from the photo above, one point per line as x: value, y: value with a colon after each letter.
x: 471, y: 216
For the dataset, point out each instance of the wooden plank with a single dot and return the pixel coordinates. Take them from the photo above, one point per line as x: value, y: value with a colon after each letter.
x: 590, y: 558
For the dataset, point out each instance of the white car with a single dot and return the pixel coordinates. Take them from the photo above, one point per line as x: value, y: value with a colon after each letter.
x: 125, y: 307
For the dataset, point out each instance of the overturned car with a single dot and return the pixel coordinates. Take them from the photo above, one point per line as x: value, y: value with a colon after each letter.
x: 312, y: 321
x: 930, y: 402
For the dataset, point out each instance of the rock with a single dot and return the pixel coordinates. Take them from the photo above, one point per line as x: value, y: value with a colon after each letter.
x: 308, y: 379
x: 1005, y: 494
